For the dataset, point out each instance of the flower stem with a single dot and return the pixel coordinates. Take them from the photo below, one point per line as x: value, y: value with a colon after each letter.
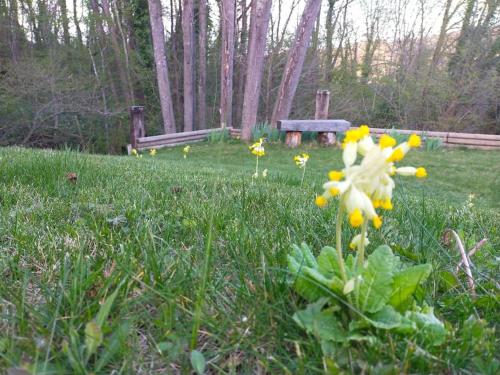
x: 303, y: 174
x: 338, y: 237
x: 257, y: 167
x: 361, y: 252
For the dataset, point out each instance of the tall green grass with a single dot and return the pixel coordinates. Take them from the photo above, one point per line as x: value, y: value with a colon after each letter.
x: 193, y: 252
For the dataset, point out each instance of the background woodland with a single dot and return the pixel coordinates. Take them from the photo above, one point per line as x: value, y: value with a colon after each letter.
x: 70, y: 69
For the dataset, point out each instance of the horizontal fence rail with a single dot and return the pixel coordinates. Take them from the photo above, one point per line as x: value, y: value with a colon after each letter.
x: 448, y: 139
x: 174, y: 139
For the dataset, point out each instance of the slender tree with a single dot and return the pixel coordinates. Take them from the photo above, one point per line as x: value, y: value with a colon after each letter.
x: 65, y: 21
x: 295, y: 61
x: 188, y: 43
x: 241, y: 63
x: 157, y: 34
x: 202, y: 65
x: 76, y: 21
x: 227, y: 61
x: 259, y: 21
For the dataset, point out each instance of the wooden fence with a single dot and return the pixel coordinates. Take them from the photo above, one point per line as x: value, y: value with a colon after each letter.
x: 448, y: 139
x: 139, y: 141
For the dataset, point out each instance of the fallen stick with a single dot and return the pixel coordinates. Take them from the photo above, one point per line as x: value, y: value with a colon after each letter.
x: 471, y: 252
x: 465, y: 260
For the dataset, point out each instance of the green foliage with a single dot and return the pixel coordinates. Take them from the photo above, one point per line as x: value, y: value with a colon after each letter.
x: 265, y: 130
x: 198, y: 362
x: 62, y: 256
x: 432, y: 144
x: 374, y: 291
x: 219, y: 136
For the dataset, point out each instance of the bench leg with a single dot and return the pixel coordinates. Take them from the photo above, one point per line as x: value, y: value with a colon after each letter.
x: 326, y: 138
x: 293, y: 139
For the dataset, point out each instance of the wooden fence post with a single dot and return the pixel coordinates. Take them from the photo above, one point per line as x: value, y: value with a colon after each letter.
x: 322, y: 103
x: 136, y: 124
x: 293, y: 139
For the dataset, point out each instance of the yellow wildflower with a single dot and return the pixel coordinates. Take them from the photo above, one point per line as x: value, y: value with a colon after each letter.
x: 301, y: 160
x: 368, y: 186
x: 134, y: 152
x: 356, y: 242
x: 386, y: 141
x: 186, y: 151
x: 421, y: 172
x: 321, y: 201
x: 152, y: 152
x: 414, y: 141
x: 257, y: 148
x: 356, y: 218
x: 335, y: 175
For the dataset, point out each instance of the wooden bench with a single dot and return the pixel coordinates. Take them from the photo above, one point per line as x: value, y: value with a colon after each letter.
x: 325, y: 128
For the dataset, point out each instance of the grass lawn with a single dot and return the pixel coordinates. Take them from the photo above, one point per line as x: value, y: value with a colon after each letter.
x: 126, y: 246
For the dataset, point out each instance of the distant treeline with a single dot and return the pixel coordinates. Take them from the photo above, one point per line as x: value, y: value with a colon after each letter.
x: 69, y: 71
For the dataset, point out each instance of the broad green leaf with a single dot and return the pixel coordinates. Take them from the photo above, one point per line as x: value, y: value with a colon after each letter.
x: 198, y: 362
x: 328, y: 262
x: 333, y: 283
x: 304, y: 255
x: 93, y: 337
x: 375, y: 286
x: 405, y: 283
x: 387, y: 318
x: 430, y: 328
x: 300, y: 258
x: 321, y: 323
x: 303, y: 284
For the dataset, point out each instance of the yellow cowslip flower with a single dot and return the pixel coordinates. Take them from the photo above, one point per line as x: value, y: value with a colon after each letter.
x: 411, y: 171
x: 420, y: 173
x: 134, y: 152
x: 367, y: 186
x: 152, y: 152
x: 356, y: 242
x: 386, y: 141
x: 386, y: 205
x: 356, y: 218
x: 186, y: 151
x: 301, y: 160
x: 335, y: 175
x: 414, y: 141
x: 321, y: 201
x: 257, y: 148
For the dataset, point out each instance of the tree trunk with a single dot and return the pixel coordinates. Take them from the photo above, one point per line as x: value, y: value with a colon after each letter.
x: 202, y: 65
x: 295, y: 62
x: 157, y: 34
x: 188, y: 43
x: 227, y: 61
x: 241, y: 61
x: 115, y: 46
x: 65, y: 21
x: 15, y: 30
x: 261, y: 12
x: 77, y: 23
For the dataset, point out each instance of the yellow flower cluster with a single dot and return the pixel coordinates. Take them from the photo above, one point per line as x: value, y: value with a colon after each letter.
x: 152, y: 152
x: 186, y: 150
x: 301, y: 160
x: 258, y: 148
x: 364, y: 187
